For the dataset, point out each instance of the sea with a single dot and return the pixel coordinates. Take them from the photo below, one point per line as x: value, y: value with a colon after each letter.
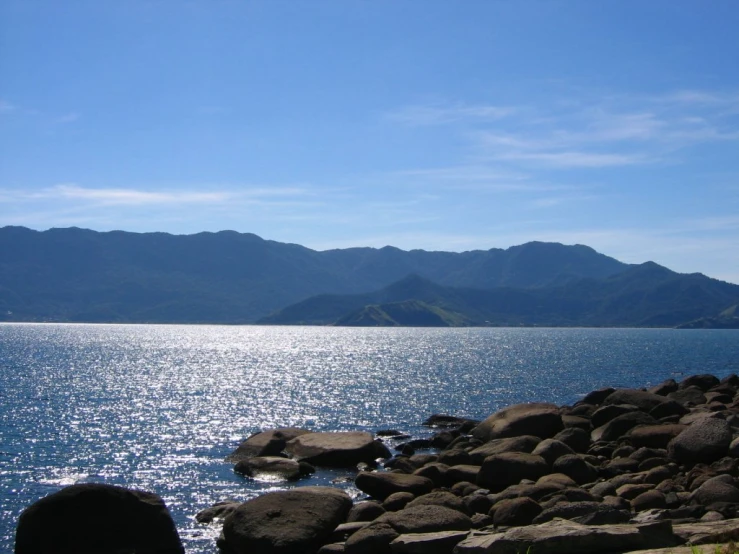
x: 159, y: 407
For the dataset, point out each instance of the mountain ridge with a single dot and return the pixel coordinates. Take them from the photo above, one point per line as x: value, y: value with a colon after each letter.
x: 74, y: 274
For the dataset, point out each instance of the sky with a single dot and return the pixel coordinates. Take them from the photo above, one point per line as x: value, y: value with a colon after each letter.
x: 426, y: 124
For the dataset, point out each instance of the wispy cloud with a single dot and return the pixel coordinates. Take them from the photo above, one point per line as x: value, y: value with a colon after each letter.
x: 437, y: 114
x: 6, y: 107
x: 134, y: 197
x: 67, y: 118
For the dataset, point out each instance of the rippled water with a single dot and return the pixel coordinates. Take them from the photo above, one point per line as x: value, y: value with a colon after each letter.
x: 159, y: 407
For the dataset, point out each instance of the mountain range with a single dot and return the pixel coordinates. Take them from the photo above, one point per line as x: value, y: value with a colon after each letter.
x: 228, y: 277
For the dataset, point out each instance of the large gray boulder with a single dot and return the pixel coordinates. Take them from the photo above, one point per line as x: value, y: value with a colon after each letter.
x: 643, y: 400
x: 340, y: 449
x: 426, y: 519
x: 502, y: 470
x: 717, y: 489
x: 538, y: 419
x: 380, y: 485
x: 706, y: 440
x: 95, y: 518
x: 266, y: 443
x: 286, y: 522
x: 620, y: 425
x: 524, y: 443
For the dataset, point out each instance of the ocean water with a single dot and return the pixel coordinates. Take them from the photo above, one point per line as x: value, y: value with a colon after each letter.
x: 159, y: 407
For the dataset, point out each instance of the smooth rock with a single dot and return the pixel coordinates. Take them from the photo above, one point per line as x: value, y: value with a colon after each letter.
x: 272, y: 467
x: 575, y: 468
x: 365, y: 511
x: 643, y: 400
x: 439, y: 498
x: 654, y: 436
x: 96, y: 518
x: 426, y: 519
x: 502, y: 470
x: 524, y: 443
x: 217, y: 511
x: 339, y: 449
x: 286, y: 522
x: 441, y: 542
x: 373, y: 539
x: 397, y: 501
x: 266, y: 443
x: 538, y: 419
x: 381, y: 485
x: 716, y: 489
x: 551, y: 449
x: 514, y: 512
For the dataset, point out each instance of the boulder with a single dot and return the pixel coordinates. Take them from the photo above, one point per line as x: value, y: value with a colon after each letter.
x: 524, y: 443
x: 397, y: 501
x: 716, y: 489
x: 605, y: 414
x: 373, y: 539
x: 444, y: 420
x: 502, y: 470
x: 92, y: 518
x: 551, y: 449
x: 689, y: 396
x: 340, y: 449
x: 664, y: 388
x: 706, y: 440
x: 217, y: 511
x: 654, y: 436
x: 440, y: 498
x: 649, y: 500
x: 538, y: 419
x: 668, y: 409
x: 620, y: 425
x: 643, y: 400
x: 461, y: 473
x: 381, y: 485
x: 574, y: 467
x: 514, y: 512
x: 597, y: 397
x: 575, y: 438
x: 286, y: 522
x: 434, y: 471
x: 703, y: 382
x: 426, y: 519
x: 266, y: 443
x: 272, y: 467
x: 365, y: 511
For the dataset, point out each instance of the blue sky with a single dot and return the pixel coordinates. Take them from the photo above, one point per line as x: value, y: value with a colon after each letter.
x: 417, y: 123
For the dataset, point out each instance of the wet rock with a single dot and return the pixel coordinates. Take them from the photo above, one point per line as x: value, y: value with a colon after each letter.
x: 270, y: 467
x: 514, y: 512
x: 286, y: 522
x: 444, y: 420
x: 524, y: 443
x: 266, y: 443
x: 443, y: 439
x: 382, y: 485
x: 217, y: 511
x: 500, y: 471
x: 706, y: 441
x: 340, y: 449
x: 538, y: 419
x: 94, y: 518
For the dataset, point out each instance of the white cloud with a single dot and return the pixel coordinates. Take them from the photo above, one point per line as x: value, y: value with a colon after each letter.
x: 6, y: 107
x: 440, y: 114
x: 67, y: 118
x: 134, y: 197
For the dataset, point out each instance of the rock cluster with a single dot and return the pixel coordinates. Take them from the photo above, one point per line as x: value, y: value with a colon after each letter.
x: 619, y: 471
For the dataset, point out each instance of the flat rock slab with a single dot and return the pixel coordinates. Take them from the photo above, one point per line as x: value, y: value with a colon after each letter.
x: 342, y: 449
x: 705, y: 532
x: 442, y: 542
x: 566, y: 537
x: 703, y: 549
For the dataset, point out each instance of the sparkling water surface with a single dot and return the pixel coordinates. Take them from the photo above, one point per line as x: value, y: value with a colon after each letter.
x: 159, y: 407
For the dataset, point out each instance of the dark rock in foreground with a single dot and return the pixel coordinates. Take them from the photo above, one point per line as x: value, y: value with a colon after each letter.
x: 285, y: 522
x: 96, y: 519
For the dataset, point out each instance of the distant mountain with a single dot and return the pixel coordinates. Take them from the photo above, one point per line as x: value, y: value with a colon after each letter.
x: 728, y: 319
x: 227, y: 277
x: 409, y: 313
x: 645, y: 295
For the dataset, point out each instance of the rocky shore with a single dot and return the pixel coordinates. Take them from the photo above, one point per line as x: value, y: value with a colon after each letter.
x: 622, y: 470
